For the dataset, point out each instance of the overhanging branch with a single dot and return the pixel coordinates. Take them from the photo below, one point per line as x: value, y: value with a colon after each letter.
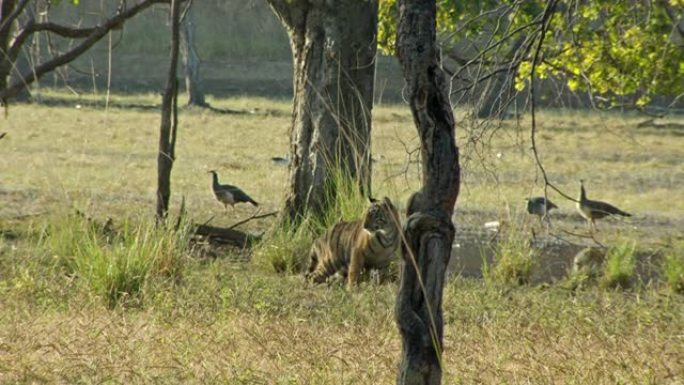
x: 91, y: 35
x: 61, y: 30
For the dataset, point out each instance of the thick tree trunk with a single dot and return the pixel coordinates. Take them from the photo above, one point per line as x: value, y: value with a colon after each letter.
x: 191, y: 60
x: 333, y: 46
x: 169, y: 120
x: 429, y: 230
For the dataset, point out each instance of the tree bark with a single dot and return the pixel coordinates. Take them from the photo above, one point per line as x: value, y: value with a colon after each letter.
x: 429, y: 230
x: 191, y: 61
x: 333, y: 47
x: 169, y: 120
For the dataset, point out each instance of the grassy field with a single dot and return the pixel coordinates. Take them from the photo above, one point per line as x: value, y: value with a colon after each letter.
x: 222, y: 319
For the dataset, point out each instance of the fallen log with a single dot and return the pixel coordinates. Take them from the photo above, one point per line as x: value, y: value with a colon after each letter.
x: 227, y: 236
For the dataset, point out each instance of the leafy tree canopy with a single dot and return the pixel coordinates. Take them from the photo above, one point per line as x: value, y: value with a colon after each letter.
x: 630, y: 50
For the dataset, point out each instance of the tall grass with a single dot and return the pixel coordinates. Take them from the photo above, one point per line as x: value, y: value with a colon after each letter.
x: 286, y: 248
x: 620, y: 266
x: 673, y: 270
x: 514, y: 258
x: 344, y: 200
x: 116, y: 265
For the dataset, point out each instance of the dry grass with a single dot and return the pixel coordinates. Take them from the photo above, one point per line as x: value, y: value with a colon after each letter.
x: 229, y: 322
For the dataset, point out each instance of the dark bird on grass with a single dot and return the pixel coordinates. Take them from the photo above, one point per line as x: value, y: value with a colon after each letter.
x: 592, y: 210
x: 539, y: 206
x: 229, y: 195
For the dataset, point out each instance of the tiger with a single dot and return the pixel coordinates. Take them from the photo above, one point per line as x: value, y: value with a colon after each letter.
x: 348, y: 247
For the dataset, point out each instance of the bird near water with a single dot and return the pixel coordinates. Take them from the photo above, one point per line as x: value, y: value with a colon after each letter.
x: 228, y: 194
x: 593, y: 210
x: 539, y: 206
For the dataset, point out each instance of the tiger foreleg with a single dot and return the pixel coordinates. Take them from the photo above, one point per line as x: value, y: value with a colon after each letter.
x: 355, y: 267
x: 313, y: 264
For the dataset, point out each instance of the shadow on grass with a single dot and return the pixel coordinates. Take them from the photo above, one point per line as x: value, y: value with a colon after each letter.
x: 101, y: 104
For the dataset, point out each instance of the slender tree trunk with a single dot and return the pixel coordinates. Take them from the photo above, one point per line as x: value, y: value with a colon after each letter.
x: 191, y: 61
x: 333, y: 46
x: 21, y: 65
x: 169, y: 120
x: 429, y: 230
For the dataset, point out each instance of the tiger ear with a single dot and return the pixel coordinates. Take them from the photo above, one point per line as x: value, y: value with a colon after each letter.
x: 372, y: 200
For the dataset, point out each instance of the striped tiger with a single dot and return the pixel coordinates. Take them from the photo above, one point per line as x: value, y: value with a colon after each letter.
x: 349, y: 247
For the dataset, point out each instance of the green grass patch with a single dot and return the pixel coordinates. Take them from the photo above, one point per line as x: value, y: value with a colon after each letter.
x: 116, y: 264
x: 620, y: 266
x: 673, y: 270
x: 345, y: 201
x: 285, y: 248
x: 514, y: 259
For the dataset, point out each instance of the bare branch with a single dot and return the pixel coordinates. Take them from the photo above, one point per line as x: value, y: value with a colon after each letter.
x: 480, y: 56
x: 61, y: 30
x: 95, y: 35
x: 282, y: 9
x: 545, y: 26
x: 254, y: 216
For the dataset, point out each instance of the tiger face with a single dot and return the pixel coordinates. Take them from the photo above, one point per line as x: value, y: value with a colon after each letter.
x: 381, y: 215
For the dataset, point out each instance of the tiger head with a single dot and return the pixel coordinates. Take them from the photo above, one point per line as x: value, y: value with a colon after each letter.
x: 381, y: 215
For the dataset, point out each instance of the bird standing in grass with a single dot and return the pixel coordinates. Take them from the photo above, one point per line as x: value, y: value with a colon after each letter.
x: 229, y: 195
x: 592, y: 210
x: 539, y: 206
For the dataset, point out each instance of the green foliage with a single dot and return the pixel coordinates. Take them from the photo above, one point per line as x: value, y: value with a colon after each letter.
x: 285, y: 249
x: 626, y: 51
x: 116, y: 265
x: 620, y: 266
x: 345, y: 201
x: 616, y: 49
x: 673, y: 270
x: 387, y: 26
